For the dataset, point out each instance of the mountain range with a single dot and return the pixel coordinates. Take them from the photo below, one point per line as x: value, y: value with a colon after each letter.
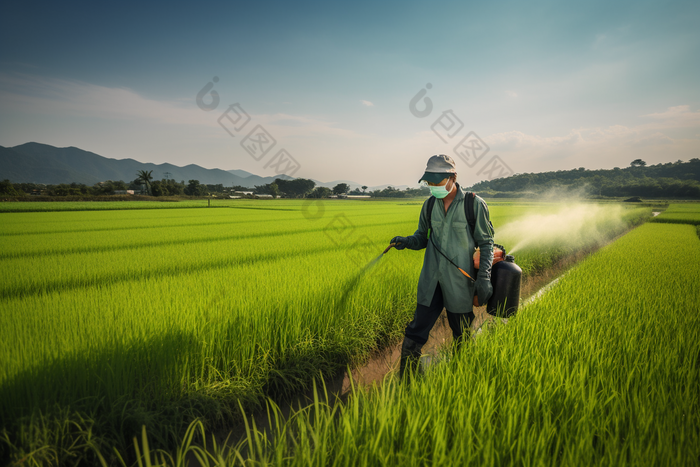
x: 42, y: 163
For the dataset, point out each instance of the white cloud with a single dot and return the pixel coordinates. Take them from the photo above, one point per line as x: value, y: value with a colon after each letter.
x: 679, y: 116
x: 367, y: 103
x: 42, y: 96
x: 518, y: 139
x: 60, y: 98
x: 512, y: 93
x: 645, y: 134
x: 299, y: 125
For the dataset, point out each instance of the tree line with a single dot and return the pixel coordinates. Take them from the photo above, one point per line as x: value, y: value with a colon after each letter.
x: 303, y: 188
x: 670, y: 180
x: 157, y: 188
x: 145, y: 184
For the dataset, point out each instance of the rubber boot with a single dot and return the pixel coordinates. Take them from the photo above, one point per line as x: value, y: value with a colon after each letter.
x: 410, y: 356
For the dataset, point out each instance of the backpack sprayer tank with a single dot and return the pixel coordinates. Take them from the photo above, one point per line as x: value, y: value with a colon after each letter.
x: 505, y: 280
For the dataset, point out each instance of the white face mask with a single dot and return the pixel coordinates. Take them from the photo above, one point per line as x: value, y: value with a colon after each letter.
x: 439, y: 191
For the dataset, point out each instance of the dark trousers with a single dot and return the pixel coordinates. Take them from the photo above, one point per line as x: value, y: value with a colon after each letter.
x: 425, y: 317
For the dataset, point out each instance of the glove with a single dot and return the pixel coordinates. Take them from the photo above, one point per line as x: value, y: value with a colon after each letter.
x: 401, y: 242
x: 484, y: 290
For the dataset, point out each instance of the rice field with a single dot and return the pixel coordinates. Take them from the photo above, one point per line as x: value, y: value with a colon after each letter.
x: 112, y: 320
x: 685, y: 213
x: 602, y: 370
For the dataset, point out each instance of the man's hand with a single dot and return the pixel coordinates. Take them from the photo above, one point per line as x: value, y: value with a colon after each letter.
x: 484, y: 290
x: 399, y: 242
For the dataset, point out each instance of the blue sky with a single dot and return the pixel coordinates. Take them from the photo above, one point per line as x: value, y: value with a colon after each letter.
x: 544, y: 85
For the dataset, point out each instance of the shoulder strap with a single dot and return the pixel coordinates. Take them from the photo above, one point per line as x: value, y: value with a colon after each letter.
x: 431, y: 203
x: 469, y: 211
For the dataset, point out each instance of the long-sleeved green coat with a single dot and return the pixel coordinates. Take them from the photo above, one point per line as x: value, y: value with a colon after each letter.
x: 453, y: 238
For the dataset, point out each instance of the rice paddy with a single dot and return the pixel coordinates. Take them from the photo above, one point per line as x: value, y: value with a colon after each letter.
x: 593, y: 373
x: 112, y: 320
x: 686, y: 213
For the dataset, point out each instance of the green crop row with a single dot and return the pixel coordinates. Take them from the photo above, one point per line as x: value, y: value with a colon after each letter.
x: 161, y: 228
x: 680, y: 213
x: 691, y: 219
x: 603, y: 370
x: 158, y: 317
x: 683, y: 207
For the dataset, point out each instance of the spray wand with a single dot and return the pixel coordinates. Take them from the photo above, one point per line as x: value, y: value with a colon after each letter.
x: 391, y: 245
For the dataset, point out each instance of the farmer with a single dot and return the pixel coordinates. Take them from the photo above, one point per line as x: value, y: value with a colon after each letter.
x: 449, y: 248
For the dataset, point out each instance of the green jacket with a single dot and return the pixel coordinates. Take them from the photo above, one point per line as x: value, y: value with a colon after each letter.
x: 453, y: 238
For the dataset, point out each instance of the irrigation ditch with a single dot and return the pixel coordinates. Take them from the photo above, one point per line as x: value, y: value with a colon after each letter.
x: 384, y: 361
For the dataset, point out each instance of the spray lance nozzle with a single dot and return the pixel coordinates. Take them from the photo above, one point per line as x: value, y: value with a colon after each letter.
x: 391, y: 245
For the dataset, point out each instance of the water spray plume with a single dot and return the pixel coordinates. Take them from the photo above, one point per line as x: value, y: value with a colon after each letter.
x: 570, y: 223
x: 354, y: 282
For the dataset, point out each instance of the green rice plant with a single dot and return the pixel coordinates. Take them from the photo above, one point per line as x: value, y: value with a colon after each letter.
x: 684, y: 207
x: 685, y: 213
x: 602, y: 370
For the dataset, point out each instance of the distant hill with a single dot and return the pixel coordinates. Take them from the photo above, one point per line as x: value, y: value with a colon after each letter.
x: 672, y: 179
x: 242, y: 173
x: 41, y: 163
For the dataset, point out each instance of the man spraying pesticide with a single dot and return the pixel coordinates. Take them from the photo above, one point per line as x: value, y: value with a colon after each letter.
x: 452, y: 224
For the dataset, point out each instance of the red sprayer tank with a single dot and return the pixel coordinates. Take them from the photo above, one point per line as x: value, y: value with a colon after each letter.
x: 505, y: 279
